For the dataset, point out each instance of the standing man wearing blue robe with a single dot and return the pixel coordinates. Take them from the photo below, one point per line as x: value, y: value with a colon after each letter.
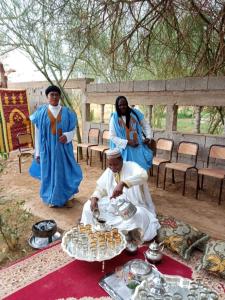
x: 54, y: 130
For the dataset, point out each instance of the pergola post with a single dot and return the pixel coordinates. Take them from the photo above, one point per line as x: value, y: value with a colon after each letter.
x: 149, y: 114
x: 198, y: 110
x: 171, y: 117
x: 224, y: 126
x: 102, y: 112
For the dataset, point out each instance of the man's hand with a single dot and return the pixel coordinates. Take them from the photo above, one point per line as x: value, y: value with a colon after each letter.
x: 118, y: 190
x: 38, y: 159
x: 132, y: 143
x: 63, y: 139
x: 94, y: 203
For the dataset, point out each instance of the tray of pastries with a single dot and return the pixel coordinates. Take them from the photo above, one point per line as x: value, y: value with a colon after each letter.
x: 84, y: 243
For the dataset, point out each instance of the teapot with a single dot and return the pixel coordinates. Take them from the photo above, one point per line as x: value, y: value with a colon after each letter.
x: 124, y: 208
x: 99, y: 223
x: 154, y: 252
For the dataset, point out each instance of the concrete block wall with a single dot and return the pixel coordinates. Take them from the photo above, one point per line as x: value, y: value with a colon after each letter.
x: 179, y: 84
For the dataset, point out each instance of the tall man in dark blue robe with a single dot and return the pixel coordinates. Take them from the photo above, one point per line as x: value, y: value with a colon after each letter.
x: 54, y: 130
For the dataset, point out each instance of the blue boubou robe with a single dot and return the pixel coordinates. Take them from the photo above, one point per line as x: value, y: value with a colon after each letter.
x: 59, y: 172
x: 141, y: 154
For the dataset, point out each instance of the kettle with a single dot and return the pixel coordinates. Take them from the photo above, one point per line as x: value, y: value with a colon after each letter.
x: 99, y: 223
x: 154, y: 252
x: 124, y: 208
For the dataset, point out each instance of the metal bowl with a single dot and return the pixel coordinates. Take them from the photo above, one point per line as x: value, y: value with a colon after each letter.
x: 40, y: 243
x: 44, y: 228
x: 139, y: 269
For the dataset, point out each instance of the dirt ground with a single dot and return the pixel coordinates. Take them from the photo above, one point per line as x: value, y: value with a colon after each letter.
x: 204, y: 214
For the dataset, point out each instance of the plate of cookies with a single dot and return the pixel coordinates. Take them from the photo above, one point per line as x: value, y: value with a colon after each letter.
x: 83, y: 242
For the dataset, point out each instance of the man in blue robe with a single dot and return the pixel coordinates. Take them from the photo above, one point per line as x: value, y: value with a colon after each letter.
x: 127, y: 128
x: 54, y: 130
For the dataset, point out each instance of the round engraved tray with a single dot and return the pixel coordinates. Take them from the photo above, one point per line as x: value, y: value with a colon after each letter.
x: 173, y: 285
x: 83, y: 243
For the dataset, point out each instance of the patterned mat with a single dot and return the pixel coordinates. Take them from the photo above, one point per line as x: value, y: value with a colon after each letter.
x: 37, y: 266
x: 215, y: 283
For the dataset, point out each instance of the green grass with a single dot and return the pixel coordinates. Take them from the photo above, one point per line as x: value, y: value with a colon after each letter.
x: 187, y: 125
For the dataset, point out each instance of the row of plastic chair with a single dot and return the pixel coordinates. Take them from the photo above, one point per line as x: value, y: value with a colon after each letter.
x: 93, y: 145
x: 163, y: 156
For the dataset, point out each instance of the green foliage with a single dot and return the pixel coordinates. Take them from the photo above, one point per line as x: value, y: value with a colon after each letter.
x: 185, y: 113
x: 3, y: 158
x: 9, y: 230
x: 213, y: 120
x: 158, y: 116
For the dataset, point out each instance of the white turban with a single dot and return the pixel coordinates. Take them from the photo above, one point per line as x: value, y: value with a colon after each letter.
x: 113, y: 153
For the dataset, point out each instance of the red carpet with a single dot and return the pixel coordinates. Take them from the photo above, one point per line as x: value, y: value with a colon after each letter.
x: 79, y: 279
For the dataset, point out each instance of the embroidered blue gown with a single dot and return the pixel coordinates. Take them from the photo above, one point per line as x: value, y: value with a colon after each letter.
x: 141, y: 154
x: 59, y: 172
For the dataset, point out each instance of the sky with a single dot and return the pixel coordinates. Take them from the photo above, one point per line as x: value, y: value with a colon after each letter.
x: 25, y: 70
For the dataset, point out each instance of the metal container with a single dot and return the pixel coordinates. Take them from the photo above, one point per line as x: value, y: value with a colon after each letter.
x: 44, y: 229
x: 125, y: 209
x: 139, y: 269
x: 154, y: 252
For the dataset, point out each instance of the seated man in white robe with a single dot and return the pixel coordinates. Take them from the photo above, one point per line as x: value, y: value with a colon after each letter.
x: 128, y: 179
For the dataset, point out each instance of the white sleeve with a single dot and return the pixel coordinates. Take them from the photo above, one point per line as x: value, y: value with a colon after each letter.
x: 36, y: 141
x: 69, y: 135
x: 139, y: 178
x: 147, y: 129
x: 120, y: 143
x: 99, y: 192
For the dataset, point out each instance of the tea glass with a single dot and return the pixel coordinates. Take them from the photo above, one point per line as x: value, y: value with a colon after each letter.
x: 177, y: 296
x: 143, y: 295
x: 192, y: 297
x: 203, y: 295
x: 167, y: 296
x: 151, y: 297
x: 212, y: 296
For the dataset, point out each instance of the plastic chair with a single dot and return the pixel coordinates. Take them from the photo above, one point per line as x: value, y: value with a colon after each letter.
x: 189, y: 150
x: 101, y: 148
x: 25, y: 144
x: 93, y: 140
x: 165, y: 147
x: 215, y: 152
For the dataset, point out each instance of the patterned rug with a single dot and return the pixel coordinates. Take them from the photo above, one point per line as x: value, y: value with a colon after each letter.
x: 215, y: 283
x: 60, y: 277
x: 14, y: 112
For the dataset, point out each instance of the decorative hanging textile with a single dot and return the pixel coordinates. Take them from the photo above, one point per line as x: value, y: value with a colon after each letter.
x: 14, y: 112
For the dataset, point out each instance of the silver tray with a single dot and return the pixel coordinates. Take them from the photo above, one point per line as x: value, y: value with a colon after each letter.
x: 70, y: 247
x: 118, y: 290
x: 174, y: 284
x: 40, y: 243
x: 117, y: 287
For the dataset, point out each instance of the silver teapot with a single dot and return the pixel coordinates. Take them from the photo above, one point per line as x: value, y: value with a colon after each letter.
x: 124, y: 208
x: 99, y: 223
x: 154, y: 252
